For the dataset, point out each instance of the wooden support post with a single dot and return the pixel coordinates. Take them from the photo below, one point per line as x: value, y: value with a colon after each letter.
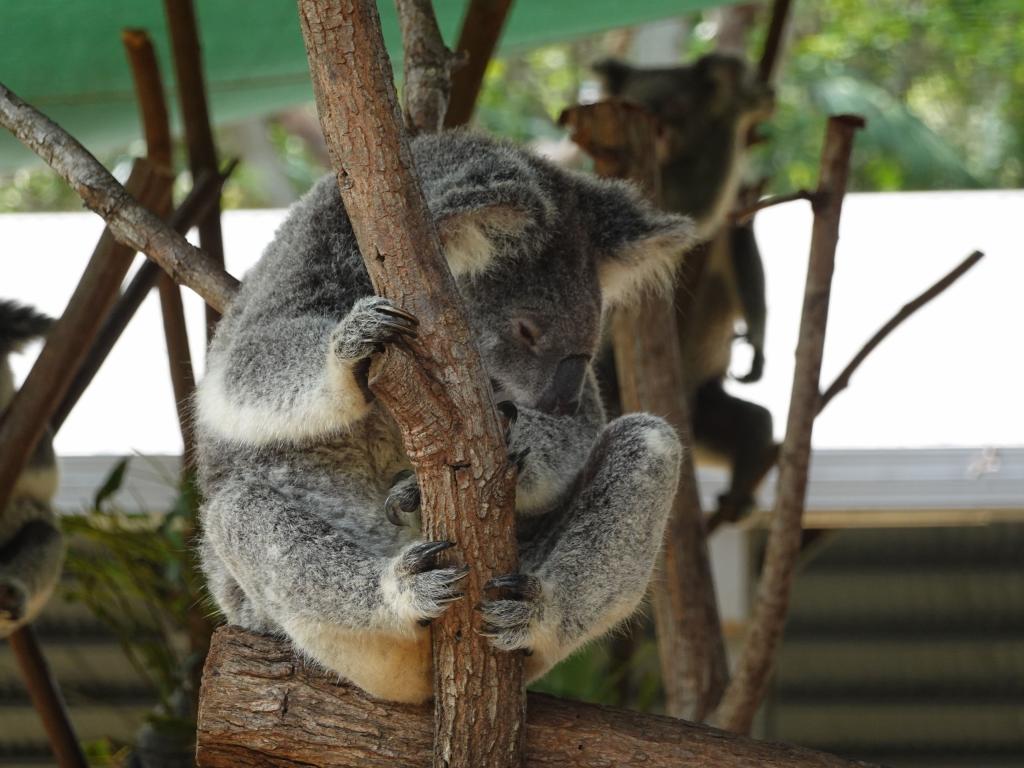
x: 621, y: 138
x: 440, y: 396
x: 481, y: 29
x: 263, y: 707
x: 202, y: 152
x: 750, y: 681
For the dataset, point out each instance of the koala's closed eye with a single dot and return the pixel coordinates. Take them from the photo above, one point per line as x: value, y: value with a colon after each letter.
x: 527, y: 333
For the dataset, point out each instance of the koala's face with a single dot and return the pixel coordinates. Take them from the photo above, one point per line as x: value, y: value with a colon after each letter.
x: 537, y: 252
x: 538, y: 326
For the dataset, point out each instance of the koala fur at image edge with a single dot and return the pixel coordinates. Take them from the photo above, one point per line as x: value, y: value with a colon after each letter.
x: 310, y: 520
x: 31, y: 545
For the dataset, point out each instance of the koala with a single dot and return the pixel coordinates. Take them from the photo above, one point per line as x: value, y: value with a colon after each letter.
x: 707, y: 110
x: 309, y: 520
x: 31, y: 545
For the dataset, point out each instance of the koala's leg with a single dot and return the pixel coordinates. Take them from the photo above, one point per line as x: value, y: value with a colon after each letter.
x: 739, y: 430
x: 30, y: 565
x: 587, y: 565
x: 349, y: 597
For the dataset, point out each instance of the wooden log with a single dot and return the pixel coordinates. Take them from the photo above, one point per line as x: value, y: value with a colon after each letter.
x: 621, y: 138
x: 263, y: 707
x: 439, y: 395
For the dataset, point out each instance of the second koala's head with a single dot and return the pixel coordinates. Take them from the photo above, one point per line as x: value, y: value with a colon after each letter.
x: 538, y: 253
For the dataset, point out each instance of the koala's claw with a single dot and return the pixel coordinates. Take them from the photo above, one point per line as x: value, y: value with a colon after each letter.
x: 518, y: 458
x: 509, y: 413
x: 403, y: 502
x: 372, y: 322
x: 422, y: 557
x: 507, y: 622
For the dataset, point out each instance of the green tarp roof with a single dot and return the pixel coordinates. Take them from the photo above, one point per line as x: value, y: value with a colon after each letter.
x: 66, y: 58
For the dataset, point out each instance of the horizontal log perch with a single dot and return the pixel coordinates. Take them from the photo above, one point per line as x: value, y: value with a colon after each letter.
x: 262, y: 706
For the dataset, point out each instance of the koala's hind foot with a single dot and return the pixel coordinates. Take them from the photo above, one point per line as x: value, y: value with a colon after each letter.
x: 372, y: 322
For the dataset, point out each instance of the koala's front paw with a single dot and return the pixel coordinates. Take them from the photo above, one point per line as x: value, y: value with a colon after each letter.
x: 13, y: 602
x: 372, y: 322
x: 402, y: 506
x: 511, y: 621
x: 415, y: 588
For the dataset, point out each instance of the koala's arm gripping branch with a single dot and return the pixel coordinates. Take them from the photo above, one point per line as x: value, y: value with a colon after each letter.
x: 440, y: 395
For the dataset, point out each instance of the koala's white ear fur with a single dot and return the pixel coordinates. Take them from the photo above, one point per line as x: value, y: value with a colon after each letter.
x: 646, y: 264
x: 468, y: 236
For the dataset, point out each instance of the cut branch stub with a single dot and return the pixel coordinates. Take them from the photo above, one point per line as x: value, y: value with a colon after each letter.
x: 439, y: 394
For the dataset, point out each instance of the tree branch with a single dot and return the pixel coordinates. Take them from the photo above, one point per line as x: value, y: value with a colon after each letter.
x: 743, y: 215
x: 621, y: 137
x: 129, y: 222
x: 263, y: 706
x: 771, y: 54
x: 750, y: 681
x: 202, y: 151
x: 440, y: 395
x: 842, y: 381
x: 478, y: 39
x: 427, y: 71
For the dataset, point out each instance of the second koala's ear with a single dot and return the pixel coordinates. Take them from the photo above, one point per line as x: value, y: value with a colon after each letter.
x: 638, y: 247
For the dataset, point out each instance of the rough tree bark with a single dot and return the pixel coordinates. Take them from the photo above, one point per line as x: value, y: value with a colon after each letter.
x: 427, y: 69
x: 129, y: 222
x: 750, y: 677
x: 263, y: 707
x: 438, y: 391
x: 202, y: 152
x: 621, y: 138
x: 478, y: 38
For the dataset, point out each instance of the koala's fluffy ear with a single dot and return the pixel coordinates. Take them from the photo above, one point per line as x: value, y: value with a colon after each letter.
x: 479, y: 193
x: 638, y: 247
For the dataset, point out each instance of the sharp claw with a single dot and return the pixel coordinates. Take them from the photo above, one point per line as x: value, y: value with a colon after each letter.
x: 460, y: 574
x: 400, y: 328
x: 394, y: 311
x: 509, y: 411
x: 425, y: 622
x: 421, y: 557
x: 392, y: 507
x: 451, y: 599
x: 521, y: 584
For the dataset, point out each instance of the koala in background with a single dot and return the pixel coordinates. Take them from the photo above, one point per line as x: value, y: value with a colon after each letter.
x: 31, y: 545
x: 706, y: 110
x: 307, y: 524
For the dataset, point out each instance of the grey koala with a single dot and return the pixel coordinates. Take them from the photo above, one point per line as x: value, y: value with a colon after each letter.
x: 31, y: 545
x: 298, y: 463
x: 707, y: 109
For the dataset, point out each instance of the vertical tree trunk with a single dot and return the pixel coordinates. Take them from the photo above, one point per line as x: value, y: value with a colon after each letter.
x: 481, y: 29
x: 651, y: 378
x: 440, y: 397
x: 750, y: 681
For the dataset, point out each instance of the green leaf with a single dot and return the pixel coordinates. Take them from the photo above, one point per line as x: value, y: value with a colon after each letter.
x: 112, y: 484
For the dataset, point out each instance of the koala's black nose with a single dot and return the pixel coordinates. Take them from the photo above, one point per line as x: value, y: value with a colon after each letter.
x: 562, y: 395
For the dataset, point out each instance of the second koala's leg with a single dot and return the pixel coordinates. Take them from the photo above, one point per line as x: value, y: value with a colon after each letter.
x: 588, y: 566
x: 739, y: 430
x: 30, y: 564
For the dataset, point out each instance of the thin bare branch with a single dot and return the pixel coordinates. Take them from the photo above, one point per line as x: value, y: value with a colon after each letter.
x: 427, y: 72
x: 441, y: 396
x: 478, y: 39
x: 843, y: 379
x: 750, y: 681
x: 744, y: 215
x: 202, y: 151
x: 131, y: 223
x: 774, y: 41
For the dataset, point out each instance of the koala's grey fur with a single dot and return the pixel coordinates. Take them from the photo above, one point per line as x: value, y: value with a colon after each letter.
x: 31, y: 546
x: 707, y: 109
x: 297, y: 462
